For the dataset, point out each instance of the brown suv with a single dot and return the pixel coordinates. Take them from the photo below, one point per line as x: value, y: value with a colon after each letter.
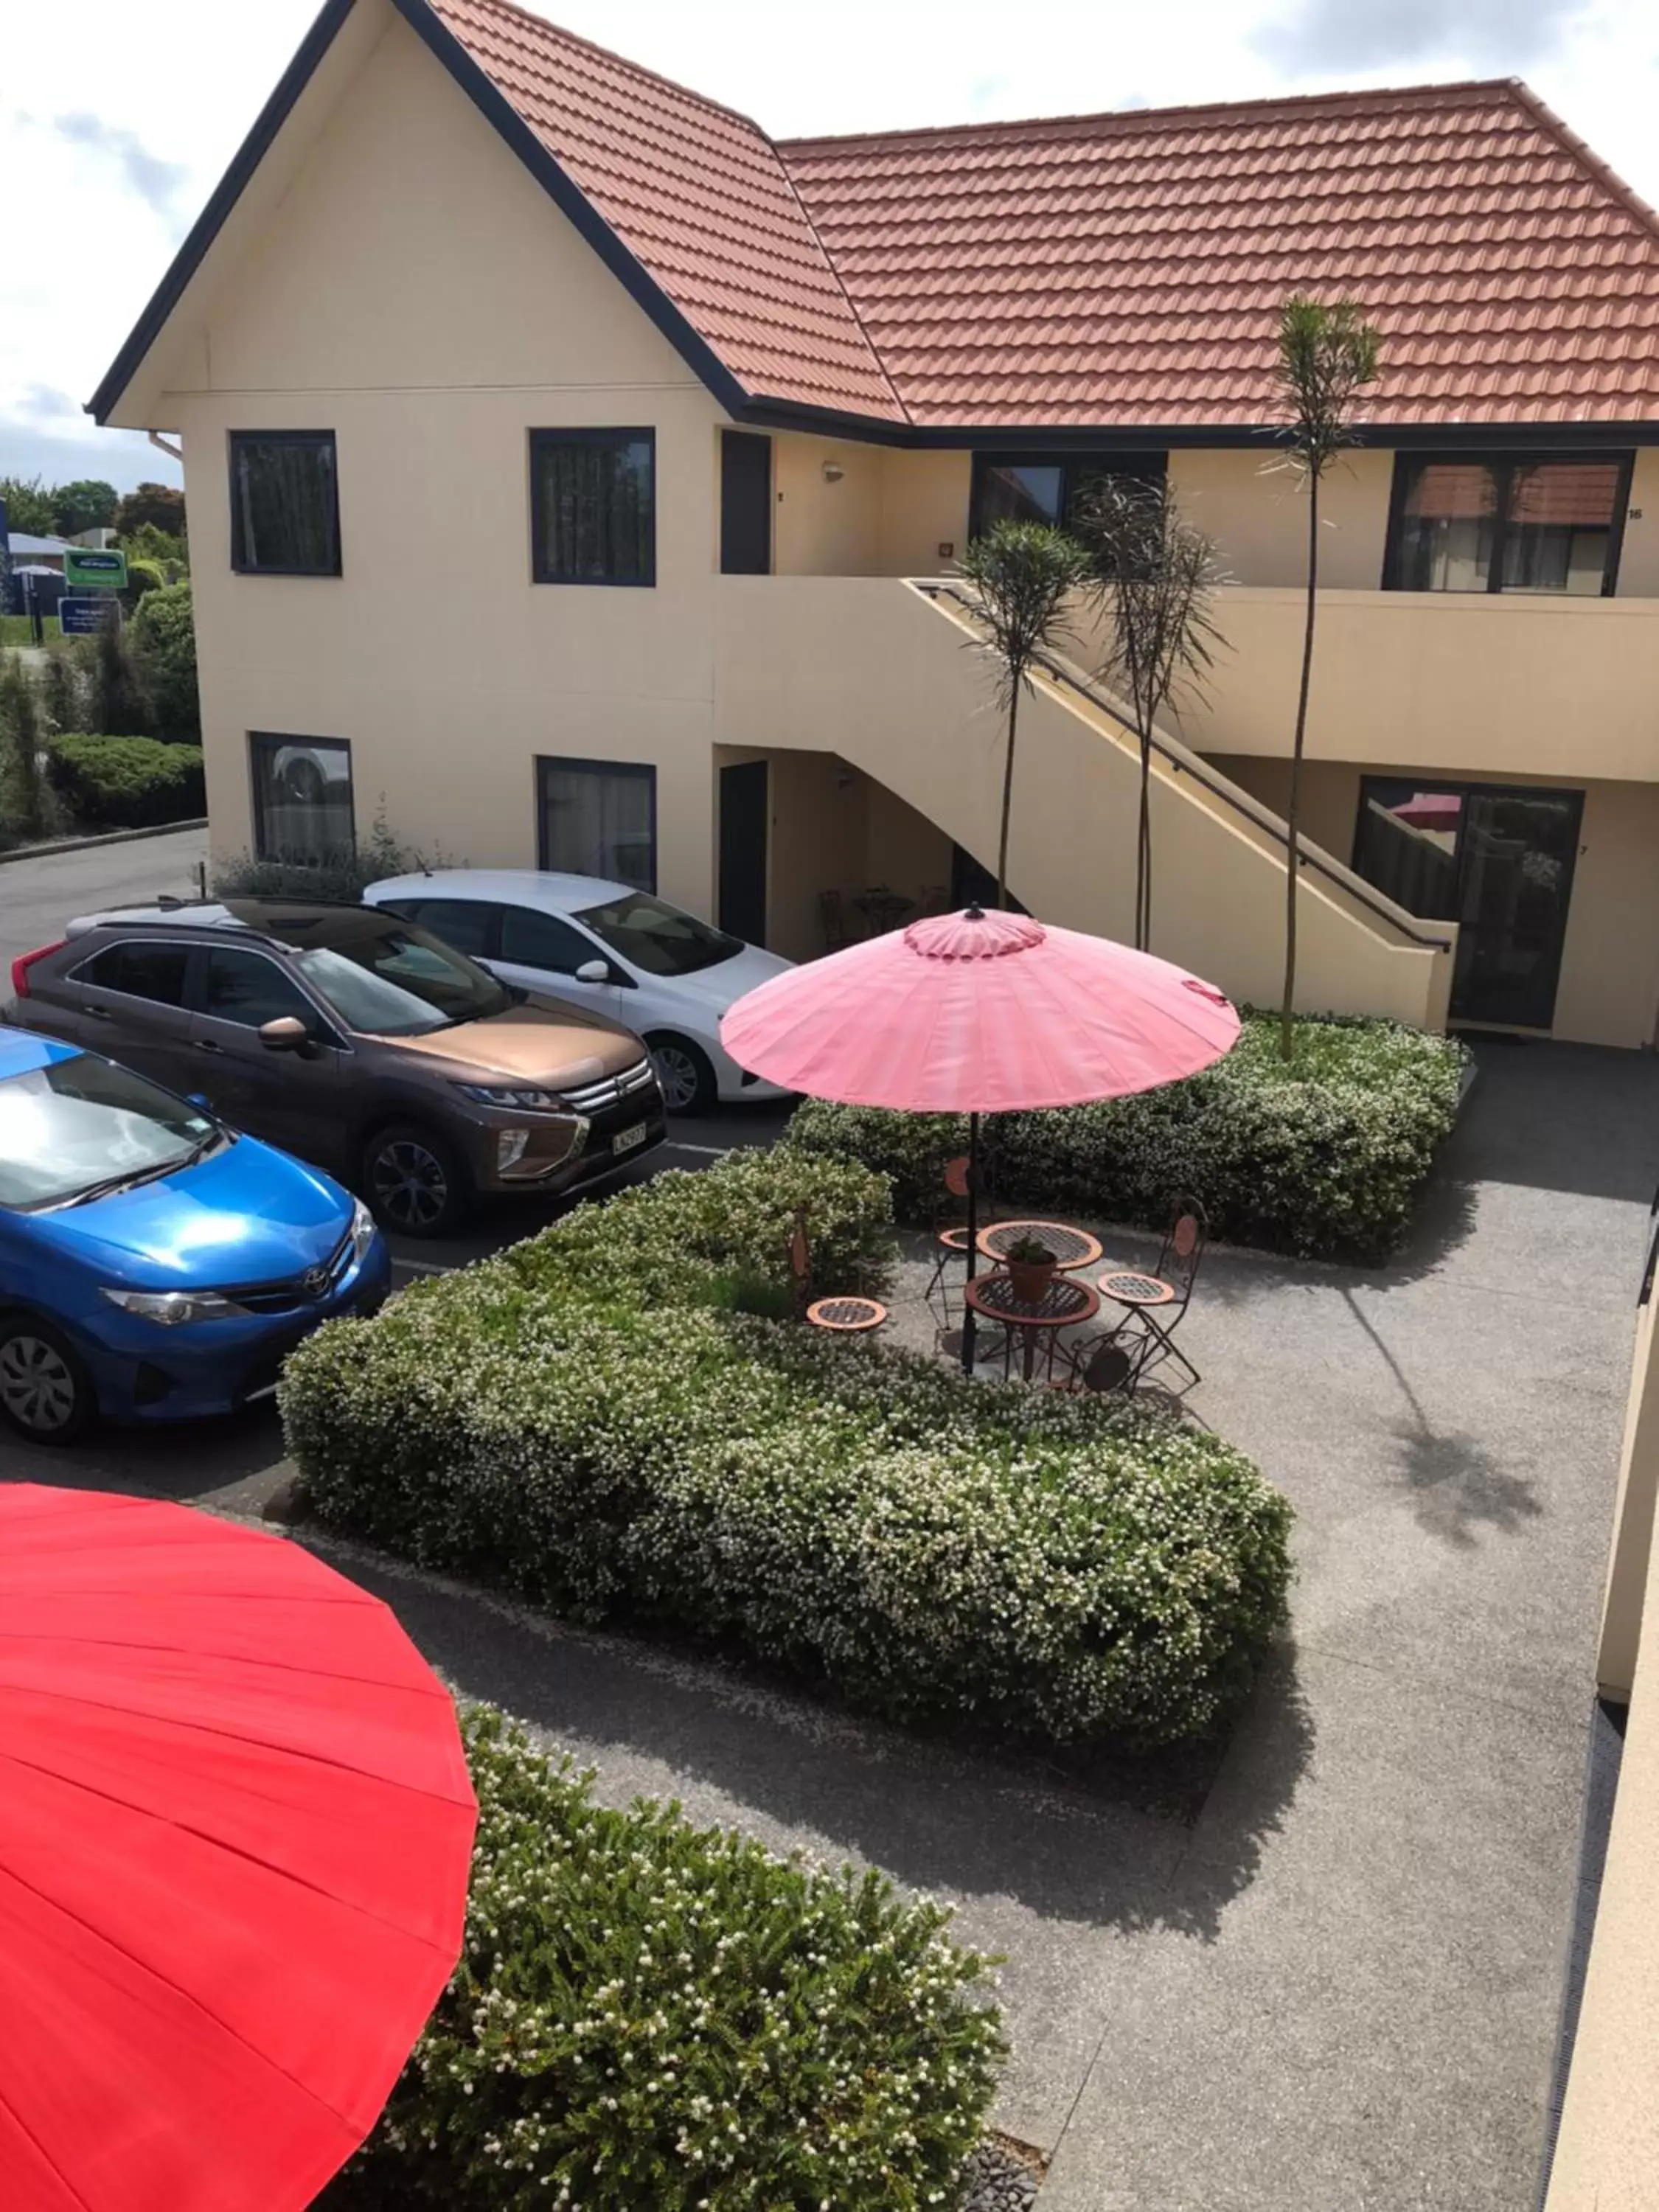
x: 357, y: 1040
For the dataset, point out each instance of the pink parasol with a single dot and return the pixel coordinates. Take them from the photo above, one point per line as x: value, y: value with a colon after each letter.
x: 980, y: 1013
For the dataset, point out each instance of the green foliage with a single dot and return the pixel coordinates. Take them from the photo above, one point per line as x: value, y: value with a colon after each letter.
x: 343, y: 875
x: 1326, y: 1155
x: 648, y: 2014
x: 87, y: 504
x: 163, y: 637
x: 169, y: 551
x: 24, y: 800
x: 117, y: 693
x: 575, y: 1420
x: 63, y: 689
x: 28, y: 506
x: 127, y: 783
x: 160, y: 506
x: 143, y: 577
x: 17, y: 629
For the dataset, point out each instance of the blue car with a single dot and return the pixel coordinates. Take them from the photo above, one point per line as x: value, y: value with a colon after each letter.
x: 153, y: 1264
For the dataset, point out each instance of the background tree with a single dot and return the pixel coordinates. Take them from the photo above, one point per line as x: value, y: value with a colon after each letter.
x: 1022, y: 572
x: 22, y: 782
x: 169, y: 552
x: 1156, y: 575
x: 1326, y: 354
x: 163, y: 634
x: 119, y: 695
x: 87, y: 504
x: 28, y: 506
x: 160, y: 504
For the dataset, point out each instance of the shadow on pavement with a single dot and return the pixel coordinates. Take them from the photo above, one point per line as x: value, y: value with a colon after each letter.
x: 1100, y: 1844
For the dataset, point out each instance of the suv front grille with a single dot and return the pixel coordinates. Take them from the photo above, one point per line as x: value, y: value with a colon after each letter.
x: 633, y: 1084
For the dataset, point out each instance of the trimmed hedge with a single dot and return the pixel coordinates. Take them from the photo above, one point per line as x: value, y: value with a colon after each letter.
x: 1326, y: 1157
x: 127, y: 783
x: 650, y: 2014
x: 581, y: 1421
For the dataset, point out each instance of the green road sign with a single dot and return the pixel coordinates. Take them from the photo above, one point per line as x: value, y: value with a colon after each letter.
x: 87, y: 571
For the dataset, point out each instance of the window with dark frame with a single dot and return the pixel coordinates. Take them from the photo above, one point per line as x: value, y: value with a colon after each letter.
x: 1507, y: 523
x: 599, y: 818
x: 302, y: 803
x: 594, y: 507
x: 1050, y: 486
x: 284, y: 503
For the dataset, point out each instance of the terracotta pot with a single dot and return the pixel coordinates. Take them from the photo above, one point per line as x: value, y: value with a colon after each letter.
x: 1030, y: 1279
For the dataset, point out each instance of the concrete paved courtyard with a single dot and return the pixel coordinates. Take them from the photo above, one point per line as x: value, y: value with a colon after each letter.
x: 1321, y: 1972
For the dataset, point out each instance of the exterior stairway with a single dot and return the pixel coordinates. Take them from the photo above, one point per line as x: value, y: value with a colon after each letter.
x: 891, y: 675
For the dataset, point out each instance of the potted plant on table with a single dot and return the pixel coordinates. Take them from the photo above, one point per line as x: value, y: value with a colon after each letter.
x: 1031, y: 1266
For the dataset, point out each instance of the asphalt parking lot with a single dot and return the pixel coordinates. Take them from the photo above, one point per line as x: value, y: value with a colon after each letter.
x: 238, y: 1461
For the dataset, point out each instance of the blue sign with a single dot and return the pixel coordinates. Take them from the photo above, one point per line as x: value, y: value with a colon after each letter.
x: 86, y: 616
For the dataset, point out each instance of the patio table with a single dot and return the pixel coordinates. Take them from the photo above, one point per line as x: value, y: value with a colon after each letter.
x: 1072, y: 1248
x: 1063, y: 1304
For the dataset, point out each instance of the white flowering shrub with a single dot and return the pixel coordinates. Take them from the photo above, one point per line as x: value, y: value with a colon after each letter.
x: 1326, y: 1156
x: 647, y: 2013
x: 934, y: 1548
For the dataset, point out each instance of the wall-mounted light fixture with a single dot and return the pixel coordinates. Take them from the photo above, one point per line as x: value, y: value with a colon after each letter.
x: 833, y: 472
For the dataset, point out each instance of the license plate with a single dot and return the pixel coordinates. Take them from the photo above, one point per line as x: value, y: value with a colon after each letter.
x: 629, y: 1138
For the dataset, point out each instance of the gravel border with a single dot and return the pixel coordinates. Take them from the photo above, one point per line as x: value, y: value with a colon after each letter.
x: 997, y: 2180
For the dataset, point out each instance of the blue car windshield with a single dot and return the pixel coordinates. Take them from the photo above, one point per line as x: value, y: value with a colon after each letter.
x: 83, y: 1127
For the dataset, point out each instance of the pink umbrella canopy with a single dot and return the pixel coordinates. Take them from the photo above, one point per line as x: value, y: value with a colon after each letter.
x: 980, y: 1013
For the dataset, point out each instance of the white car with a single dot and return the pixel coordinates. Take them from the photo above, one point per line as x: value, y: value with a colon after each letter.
x: 653, y: 967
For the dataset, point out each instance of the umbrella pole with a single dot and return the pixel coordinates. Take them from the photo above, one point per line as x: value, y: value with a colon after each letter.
x: 968, y: 1314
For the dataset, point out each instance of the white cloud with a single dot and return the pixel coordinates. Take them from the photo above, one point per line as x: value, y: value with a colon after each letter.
x: 119, y: 120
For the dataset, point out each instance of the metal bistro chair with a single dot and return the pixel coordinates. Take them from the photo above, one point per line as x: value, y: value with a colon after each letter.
x: 1155, y: 1303
x: 832, y: 919
x: 949, y: 1225
x: 848, y: 1316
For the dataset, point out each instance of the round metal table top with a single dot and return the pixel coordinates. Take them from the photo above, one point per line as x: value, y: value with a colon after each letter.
x: 1072, y: 1248
x: 1062, y: 1303
x: 851, y: 1316
x: 1131, y: 1288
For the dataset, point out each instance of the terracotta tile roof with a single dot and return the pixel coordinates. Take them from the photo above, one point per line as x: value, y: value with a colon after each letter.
x: 1128, y: 269
x: 700, y: 196
x: 1114, y: 270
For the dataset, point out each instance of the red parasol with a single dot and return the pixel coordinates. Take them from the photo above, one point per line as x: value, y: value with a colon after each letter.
x: 235, y: 1831
x: 980, y: 1013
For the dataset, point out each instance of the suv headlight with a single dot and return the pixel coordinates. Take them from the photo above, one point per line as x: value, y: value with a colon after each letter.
x: 362, y: 1229
x: 169, y: 1308
x: 541, y: 1102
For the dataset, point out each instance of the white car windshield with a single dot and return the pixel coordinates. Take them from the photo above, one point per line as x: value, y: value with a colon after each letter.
x: 659, y: 940
x: 83, y: 1128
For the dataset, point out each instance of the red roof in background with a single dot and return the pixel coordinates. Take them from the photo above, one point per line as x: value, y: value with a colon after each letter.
x: 699, y: 195
x: 1128, y: 269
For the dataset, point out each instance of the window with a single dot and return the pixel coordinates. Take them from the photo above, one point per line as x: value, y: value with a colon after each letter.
x: 467, y: 924
x: 284, y: 503
x: 1048, y: 487
x: 1507, y: 524
x: 248, y: 988
x: 659, y: 939
x: 156, y: 972
x: 599, y: 818
x: 530, y: 939
x: 302, y: 799
x: 594, y: 507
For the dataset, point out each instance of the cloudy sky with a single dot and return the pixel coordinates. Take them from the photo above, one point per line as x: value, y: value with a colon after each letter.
x: 116, y: 120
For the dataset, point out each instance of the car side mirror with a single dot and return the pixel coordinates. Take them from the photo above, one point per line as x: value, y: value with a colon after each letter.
x: 596, y: 971
x: 287, y: 1033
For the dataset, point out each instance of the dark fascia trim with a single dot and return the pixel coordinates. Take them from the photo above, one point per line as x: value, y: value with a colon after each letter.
x: 253, y: 151
x: 1071, y: 437
x: 573, y: 204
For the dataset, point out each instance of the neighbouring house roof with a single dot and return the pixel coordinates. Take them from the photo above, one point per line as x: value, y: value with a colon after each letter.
x: 1111, y: 272
x: 23, y: 545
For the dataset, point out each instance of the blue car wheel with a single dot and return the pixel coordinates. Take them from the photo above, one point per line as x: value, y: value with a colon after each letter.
x: 44, y: 1389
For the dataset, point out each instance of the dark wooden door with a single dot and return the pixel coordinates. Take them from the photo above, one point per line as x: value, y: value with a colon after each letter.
x: 745, y: 504
x: 745, y: 806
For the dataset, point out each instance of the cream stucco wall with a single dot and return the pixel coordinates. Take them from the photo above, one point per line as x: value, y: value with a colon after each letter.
x: 1609, y: 986
x: 418, y: 294
x: 1257, y: 513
